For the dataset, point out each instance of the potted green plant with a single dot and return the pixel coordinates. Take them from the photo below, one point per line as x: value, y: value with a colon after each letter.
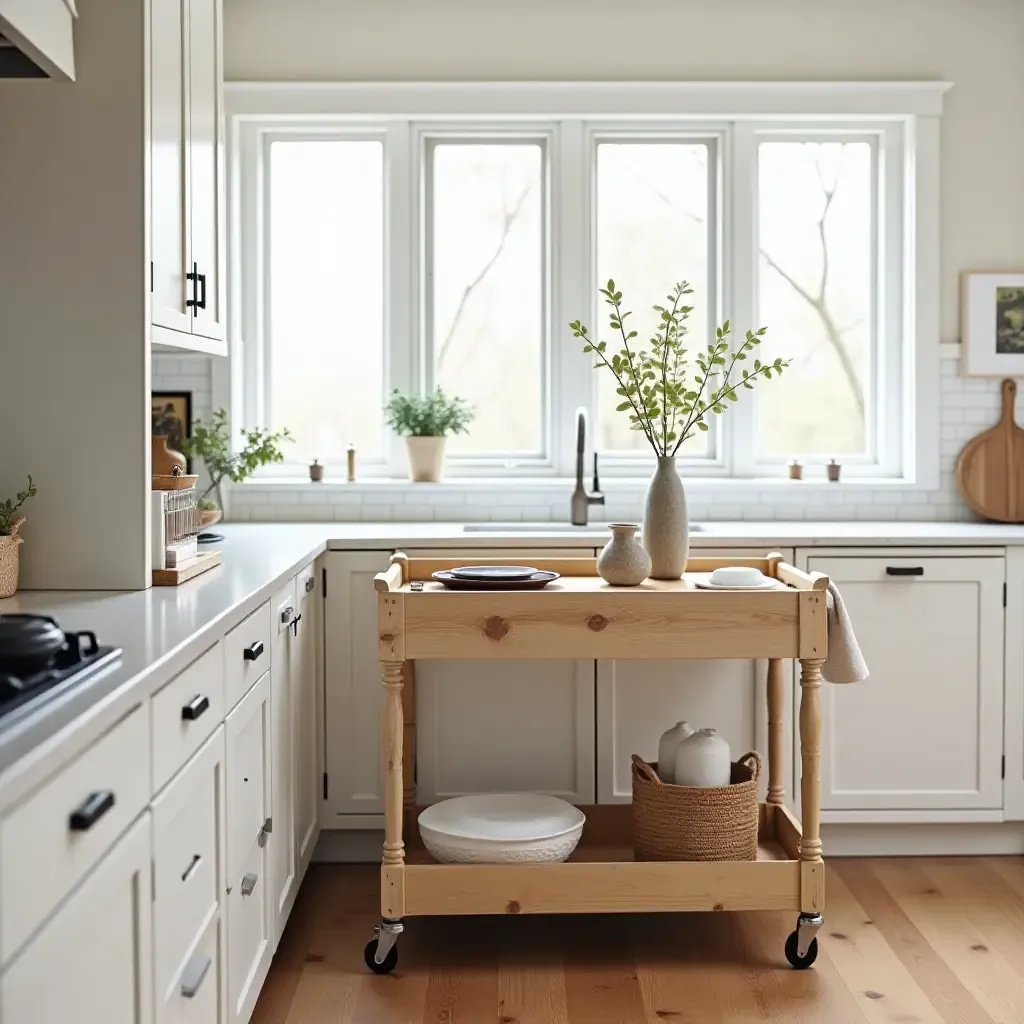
x: 212, y: 444
x: 10, y: 542
x: 425, y: 422
x: 669, y: 395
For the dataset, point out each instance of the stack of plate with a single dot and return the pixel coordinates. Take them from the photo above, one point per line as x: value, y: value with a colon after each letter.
x: 495, y: 577
x: 501, y: 828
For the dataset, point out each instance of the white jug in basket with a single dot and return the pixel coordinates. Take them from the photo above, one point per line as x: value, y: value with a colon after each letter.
x: 667, y: 747
x: 703, y: 759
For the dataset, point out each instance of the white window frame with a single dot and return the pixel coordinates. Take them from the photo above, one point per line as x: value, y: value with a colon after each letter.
x: 903, y: 116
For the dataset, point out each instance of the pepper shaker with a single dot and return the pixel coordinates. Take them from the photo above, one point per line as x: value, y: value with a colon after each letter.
x: 834, y: 469
x: 350, y: 464
x: 316, y: 472
x: 796, y: 470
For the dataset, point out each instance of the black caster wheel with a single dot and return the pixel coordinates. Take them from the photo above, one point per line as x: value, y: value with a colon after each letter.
x: 797, y: 962
x: 390, y: 961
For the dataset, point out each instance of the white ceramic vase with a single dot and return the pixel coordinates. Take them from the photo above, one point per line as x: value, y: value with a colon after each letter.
x: 666, y: 529
x: 668, y: 746
x: 426, y: 458
x: 623, y: 562
x: 703, y: 759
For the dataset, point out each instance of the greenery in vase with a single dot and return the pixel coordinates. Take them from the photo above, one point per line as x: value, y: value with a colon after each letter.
x: 9, y: 518
x: 212, y: 444
x: 668, y: 393
x: 434, y: 415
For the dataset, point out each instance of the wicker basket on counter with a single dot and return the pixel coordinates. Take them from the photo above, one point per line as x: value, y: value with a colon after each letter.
x: 695, y: 823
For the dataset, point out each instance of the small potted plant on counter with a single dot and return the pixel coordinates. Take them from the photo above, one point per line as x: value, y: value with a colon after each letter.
x: 426, y: 422
x: 212, y: 444
x: 10, y: 542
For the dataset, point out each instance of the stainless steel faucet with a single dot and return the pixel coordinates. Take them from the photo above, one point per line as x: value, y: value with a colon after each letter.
x: 581, y: 501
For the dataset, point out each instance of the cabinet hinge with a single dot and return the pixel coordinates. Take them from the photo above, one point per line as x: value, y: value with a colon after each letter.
x: 150, y: 275
x: 323, y: 585
x: 1003, y: 768
x: 325, y: 785
x: 1004, y: 595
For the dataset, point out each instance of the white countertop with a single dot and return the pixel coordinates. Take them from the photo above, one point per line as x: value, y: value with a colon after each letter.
x: 163, y: 629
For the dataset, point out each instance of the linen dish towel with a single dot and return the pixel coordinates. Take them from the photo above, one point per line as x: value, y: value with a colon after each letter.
x: 845, y: 663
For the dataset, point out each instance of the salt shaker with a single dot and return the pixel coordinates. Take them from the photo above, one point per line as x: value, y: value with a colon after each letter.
x: 350, y: 464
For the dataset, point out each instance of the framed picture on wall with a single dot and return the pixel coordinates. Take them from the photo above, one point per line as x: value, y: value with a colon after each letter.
x: 992, y: 334
x: 172, y: 416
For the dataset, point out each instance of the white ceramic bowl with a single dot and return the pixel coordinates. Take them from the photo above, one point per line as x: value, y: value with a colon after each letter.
x: 501, y: 828
x: 737, y: 576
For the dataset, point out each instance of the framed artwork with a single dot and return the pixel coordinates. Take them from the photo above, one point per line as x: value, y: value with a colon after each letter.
x: 992, y: 330
x: 172, y: 416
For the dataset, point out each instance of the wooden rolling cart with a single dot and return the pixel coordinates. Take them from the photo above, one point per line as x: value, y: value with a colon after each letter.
x: 579, y: 616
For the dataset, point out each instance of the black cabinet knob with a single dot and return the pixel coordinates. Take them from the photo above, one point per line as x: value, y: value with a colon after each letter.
x: 195, y: 707
x: 90, y: 810
x: 253, y: 651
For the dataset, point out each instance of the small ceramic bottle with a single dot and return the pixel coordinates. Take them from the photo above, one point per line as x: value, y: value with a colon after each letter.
x: 316, y: 471
x: 623, y: 562
x: 703, y: 760
x: 667, y: 747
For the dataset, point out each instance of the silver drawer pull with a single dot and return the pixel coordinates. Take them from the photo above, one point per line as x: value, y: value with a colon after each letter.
x: 192, y: 976
x: 268, y: 827
x: 249, y: 883
x: 286, y: 614
x: 310, y: 584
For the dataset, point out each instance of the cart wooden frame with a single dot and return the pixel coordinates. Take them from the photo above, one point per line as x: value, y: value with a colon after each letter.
x: 579, y: 616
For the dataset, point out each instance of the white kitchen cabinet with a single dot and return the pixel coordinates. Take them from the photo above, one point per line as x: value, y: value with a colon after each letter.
x: 92, y: 962
x: 925, y: 731
x: 250, y: 920
x: 1013, y: 784
x: 187, y: 175
x: 352, y: 689
x: 638, y: 700
x: 306, y: 721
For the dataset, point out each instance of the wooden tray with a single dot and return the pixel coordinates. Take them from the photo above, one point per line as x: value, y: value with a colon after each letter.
x: 193, y: 567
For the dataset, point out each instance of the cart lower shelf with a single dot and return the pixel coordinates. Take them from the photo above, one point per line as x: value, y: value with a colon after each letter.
x: 602, y: 877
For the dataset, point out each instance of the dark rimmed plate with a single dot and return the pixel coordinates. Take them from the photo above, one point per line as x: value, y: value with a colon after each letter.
x: 537, y: 581
x: 493, y: 573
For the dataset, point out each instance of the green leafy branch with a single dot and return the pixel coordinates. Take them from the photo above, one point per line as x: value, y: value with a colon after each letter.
x: 212, y: 444
x: 9, y: 518
x: 665, y: 398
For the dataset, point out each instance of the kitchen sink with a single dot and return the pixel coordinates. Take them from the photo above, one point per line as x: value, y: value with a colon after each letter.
x: 564, y: 528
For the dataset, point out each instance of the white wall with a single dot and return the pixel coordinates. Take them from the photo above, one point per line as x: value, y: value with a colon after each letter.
x: 976, y: 44
x: 74, y: 343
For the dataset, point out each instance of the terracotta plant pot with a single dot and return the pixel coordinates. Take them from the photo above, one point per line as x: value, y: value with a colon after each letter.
x: 165, y: 459
x: 9, y: 548
x: 426, y: 458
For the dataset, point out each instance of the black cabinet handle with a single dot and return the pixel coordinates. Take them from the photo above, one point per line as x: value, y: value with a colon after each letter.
x: 194, y: 278
x: 201, y: 283
x: 253, y: 651
x: 90, y: 810
x: 904, y: 570
x: 195, y: 707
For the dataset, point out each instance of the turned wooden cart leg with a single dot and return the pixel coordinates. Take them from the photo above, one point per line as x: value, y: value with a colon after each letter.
x: 409, y: 747
x: 380, y: 954
x: 801, y: 948
x: 776, y: 788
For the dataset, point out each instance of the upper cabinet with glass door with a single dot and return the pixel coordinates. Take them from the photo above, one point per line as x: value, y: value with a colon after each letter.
x: 187, y: 175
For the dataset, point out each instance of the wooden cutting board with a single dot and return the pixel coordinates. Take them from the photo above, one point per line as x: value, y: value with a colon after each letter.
x: 990, y: 469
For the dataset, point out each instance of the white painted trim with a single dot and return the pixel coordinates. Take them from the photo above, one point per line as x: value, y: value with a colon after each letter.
x: 834, y: 100
x: 179, y: 341
x: 1013, y: 681
x: 933, y: 816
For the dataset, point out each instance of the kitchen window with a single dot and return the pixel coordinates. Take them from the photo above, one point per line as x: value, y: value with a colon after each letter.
x: 451, y: 247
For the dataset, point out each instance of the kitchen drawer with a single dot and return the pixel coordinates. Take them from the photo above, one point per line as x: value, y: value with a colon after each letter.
x: 185, y: 712
x: 194, y: 994
x: 186, y: 856
x: 246, y: 653
x: 49, y: 842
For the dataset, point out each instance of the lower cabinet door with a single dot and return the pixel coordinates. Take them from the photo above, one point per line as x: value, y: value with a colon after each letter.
x: 281, y: 841
x: 92, y: 963
x: 305, y: 690
x: 250, y: 934
x: 196, y: 995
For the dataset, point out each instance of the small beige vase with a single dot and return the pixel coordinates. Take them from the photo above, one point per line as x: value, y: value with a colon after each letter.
x: 623, y: 562
x: 666, y: 530
x: 9, y: 560
x: 426, y: 458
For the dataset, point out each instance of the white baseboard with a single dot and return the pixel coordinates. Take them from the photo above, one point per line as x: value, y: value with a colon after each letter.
x: 364, y: 847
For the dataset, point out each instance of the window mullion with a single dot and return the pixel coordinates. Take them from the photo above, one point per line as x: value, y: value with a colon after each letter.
x: 403, y: 273
x: 739, y: 294
x: 572, y: 241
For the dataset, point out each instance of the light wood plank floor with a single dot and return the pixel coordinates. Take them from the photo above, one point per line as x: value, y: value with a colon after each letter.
x: 905, y: 940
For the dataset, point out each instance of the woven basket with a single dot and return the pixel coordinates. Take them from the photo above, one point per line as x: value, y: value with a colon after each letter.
x: 9, y: 565
x: 695, y: 823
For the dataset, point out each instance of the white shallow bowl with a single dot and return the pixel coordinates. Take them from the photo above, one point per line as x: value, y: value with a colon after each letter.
x: 501, y: 828
x: 737, y: 576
